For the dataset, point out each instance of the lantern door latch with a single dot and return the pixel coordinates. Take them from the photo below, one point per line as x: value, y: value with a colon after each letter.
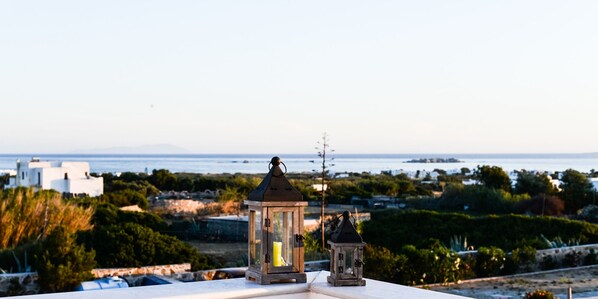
x: 267, y: 222
x: 358, y: 263
x: 299, y: 240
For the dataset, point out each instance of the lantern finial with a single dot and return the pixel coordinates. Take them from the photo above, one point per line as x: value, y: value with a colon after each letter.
x: 346, y: 215
x: 275, y: 161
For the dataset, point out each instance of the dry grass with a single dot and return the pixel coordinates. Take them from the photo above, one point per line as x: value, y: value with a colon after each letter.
x: 23, y: 214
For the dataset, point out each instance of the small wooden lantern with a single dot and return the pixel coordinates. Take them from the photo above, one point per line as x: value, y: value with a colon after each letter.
x: 346, y: 255
x: 275, y: 230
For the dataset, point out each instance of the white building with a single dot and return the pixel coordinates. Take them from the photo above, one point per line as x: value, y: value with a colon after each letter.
x: 64, y: 177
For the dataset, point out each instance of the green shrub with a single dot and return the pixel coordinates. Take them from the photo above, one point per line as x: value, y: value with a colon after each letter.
x: 540, y: 294
x: 107, y: 214
x: 591, y: 258
x: 572, y: 259
x: 432, y: 264
x: 548, y: 263
x: 62, y: 263
x: 125, y: 197
x: 489, y: 261
x: 19, y: 259
x: 393, y: 229
x: 476, y: 197
x: 15, y: 288
x: 521, y: 259
x: 413, y: 266
x: 134, y: 245
x: 380, y: 263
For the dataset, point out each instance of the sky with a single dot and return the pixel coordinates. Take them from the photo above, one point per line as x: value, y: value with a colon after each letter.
x: 273, y: 76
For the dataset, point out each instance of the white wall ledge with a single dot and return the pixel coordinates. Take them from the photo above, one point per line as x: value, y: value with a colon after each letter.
x: 315, y: 288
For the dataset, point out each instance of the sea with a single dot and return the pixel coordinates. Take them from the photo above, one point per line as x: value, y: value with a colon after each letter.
x: 301, y: 163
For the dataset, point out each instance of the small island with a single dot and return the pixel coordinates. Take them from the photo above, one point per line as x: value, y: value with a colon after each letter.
x: 434, y: 160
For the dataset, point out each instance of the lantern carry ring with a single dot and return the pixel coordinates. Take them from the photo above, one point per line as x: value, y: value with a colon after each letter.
x: 276, y: 161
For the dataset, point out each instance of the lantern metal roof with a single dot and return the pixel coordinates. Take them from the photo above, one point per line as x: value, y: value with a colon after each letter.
x: 275, y: 186
x: 346, y: 233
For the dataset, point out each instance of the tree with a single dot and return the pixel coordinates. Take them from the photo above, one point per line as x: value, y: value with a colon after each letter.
x: 142, y: 186
x: 324, y: 147
x: 62, y: 263
x: 533, y: 183
x: 577, y: 190
x: 163, y: 179
x: 494, y: 177
x: 126, y: 197
x: 542, y: 204
x: 476, y: 198
x: 465, y: 170
x: 4, y: 179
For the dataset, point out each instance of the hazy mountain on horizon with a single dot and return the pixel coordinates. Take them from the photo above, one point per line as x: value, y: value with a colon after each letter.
x: 142, y: 149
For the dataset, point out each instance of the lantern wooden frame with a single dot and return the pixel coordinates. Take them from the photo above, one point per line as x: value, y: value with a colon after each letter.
x: 261, y: 243
x: 275, y: 237
x: 341, y: 256
x: 346, y: 255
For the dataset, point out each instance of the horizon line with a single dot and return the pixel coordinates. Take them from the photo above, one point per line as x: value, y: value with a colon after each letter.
x: 302, y: 154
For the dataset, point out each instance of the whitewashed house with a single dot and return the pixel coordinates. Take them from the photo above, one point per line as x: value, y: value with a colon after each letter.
x: 65, y: 177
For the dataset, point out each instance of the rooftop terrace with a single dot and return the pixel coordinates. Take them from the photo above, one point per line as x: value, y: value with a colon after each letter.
x: 315, y: 288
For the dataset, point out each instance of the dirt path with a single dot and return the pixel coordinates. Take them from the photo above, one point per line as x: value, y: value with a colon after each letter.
x: 582, y: 280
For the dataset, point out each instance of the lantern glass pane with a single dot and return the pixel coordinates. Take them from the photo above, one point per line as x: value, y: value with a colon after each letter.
x: 282, y: 245
x: 349, y: 268
x: 255, y: 238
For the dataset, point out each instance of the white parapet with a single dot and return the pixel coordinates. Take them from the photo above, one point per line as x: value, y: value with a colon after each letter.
x: 316, y: 288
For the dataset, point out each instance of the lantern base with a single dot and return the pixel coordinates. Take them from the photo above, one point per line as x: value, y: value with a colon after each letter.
x: 345, y: 282
x: 270, y: 278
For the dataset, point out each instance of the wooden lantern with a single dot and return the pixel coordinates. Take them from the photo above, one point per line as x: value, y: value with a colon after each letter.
x: 346, y: 255
x: 275, y: 236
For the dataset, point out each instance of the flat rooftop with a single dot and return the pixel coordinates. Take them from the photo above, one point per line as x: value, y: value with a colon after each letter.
x: 315, y: 288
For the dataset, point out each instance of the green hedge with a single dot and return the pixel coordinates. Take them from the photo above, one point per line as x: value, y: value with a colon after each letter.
x: 394, y: 229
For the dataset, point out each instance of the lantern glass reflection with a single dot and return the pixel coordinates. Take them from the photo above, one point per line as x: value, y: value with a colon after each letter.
x: 282, y: 245
x: 255, y: 238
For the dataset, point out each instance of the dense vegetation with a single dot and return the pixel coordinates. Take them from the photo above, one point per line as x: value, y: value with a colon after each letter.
x: 413, y: 245
x: 26, y: 216
x: 64, y: 239
x: 416, y: 247
x: 394, y: 229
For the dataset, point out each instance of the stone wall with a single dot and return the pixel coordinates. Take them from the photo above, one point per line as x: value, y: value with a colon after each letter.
x: 26, y: 283
x: 559, y: 255
x: 188, y: 206
x: 564, y: 257
x: 164, y: 270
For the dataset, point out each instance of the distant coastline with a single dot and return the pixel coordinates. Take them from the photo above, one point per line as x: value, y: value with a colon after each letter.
x: 258, y: 163
x: 434, y: 160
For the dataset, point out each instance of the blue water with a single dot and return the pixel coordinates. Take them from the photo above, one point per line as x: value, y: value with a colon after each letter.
x: 254, y: 163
